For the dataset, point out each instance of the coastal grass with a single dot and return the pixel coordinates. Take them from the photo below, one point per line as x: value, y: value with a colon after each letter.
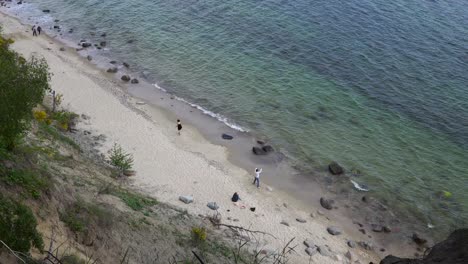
x: 55, y: 134
x: 135, y: 201
x: 80, y: 216
x: 32, y: 182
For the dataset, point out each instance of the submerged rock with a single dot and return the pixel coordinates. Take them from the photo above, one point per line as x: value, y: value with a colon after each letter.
x: 103, y: 43
x: 134, y: 81
x: 112, y: 70
x: 126, y: 65
x: 85, y: 44
x: 125, y: 78
x: 335, y: 168
x: 268, y: 148
x: 258, y: 151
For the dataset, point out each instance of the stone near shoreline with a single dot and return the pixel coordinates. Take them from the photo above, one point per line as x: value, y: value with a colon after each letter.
x: 351, y: 244
x: 301, y: 220
x: 418, y: 239
x: 327, y: 203
x: 186, y: 199
x: 113, y: 62
x: 258, y: 151
x: 227, y: 137
x: 125, y: 78
x: 324, y: 251
x: 309, y: 243
x: 112, y: 70
x: 335, y: 168
x: 134, y: 81
x: 126, y: 65
x: 284, y: 223
x: 89, y: 58
x: 62, y: 49
x: 366, y: 245
x: 334, y: 230
x: 86, y: 44
x: 103, y: 43
x: 46, y: 11
x: 103, y: 35
x: 268, y: 148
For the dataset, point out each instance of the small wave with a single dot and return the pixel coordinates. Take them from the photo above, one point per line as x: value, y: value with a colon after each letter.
x: 219, y: 117
x: 358, y: 187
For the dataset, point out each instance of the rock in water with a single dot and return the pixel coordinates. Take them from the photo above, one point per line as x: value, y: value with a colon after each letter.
x: 46, y: 11
x: 86, y: 44
x: 335, y: 168
x: 126, y: 65
x: 134, y: 81
x: 258, y: 151
x: 227, y: 137
x: 113, y: 62
x: 125, y: 78
x: 186, y: 199
x: 212, y: 205
x: 103, y: 43
x: 268, y: 148
x: 327, y: 203
x: 334, y: 230
x: 62, y: 49
x: 89, y: 58
x: 112, y: 70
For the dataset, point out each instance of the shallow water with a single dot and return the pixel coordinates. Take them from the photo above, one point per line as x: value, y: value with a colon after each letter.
x: 379, y: 86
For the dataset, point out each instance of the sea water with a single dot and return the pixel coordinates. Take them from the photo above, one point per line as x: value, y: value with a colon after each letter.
x: 379, y: 86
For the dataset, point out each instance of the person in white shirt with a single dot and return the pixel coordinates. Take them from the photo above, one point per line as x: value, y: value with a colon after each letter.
x: 257, y: 177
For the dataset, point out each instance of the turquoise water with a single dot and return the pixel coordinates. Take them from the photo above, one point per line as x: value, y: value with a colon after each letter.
x: 379, y: 86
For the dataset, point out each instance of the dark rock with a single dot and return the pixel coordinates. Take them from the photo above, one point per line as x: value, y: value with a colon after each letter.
x: 387, y: 229
x: 268, y: 148
x: 284, y: 223
x: 418, y: 240
x: 86, y: 44
x: 56, y: 20
x: 62, y: 49
x: 364, y: 199
x: 56, y: 27
x: 351, y: 244
x: 260, y: 142
x: 258, y: 151
x: 112, y: 62
x: 324, y: 251
x: 46, y: 11
x: 327, y: 203
x: 335, y: 168
x: 130, y: 41
x: 103, y: 35
x: 112, y: 70
x: 103, y: 43
x: 89, y: 58
x: 126, y: 65
x: 134, y: 81
x: 227, y: 137
x: 334, y: 230
x: 20, y: 3
x: 125, y: 78
x: 301, y: 220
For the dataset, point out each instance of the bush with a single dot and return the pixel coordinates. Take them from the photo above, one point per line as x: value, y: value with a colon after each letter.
x: 40, y: 116
x: 64, y: 119
x: 120, y: 159
x: 22, y: 86
x: 198, y: 235
x: 81, y: 215
x: 18, y: 226
x: 135, y: 201
x: 72, y: 259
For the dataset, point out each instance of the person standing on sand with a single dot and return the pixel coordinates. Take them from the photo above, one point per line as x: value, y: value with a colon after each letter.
x: 179, y: 126
x: 39, y: 29
x: 257, y: 177
x: 34, y: 31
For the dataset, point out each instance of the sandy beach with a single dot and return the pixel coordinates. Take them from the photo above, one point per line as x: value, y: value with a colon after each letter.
x: 169, y: 165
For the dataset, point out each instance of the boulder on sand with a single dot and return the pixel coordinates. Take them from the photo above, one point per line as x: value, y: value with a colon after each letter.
x: 268, y: 148
x: 258, y: 151
x: 335, y: 168
x: 327, y: 203
x: 334, y: 230
x: 112, y: 70
x: 86, y: 44
x: 134, y: 81
x: 186, y: 199
x: 227, y: 137
x: 125, y: 78
x: 212, y: 205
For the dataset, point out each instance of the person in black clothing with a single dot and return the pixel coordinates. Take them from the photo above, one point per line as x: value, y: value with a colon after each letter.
x: 235, y: 197
x: 179, y: 126
x: 34, y: 30
x: 39, y: 29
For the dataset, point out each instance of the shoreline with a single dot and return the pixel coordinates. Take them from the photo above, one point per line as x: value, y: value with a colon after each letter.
x: 197, y: 140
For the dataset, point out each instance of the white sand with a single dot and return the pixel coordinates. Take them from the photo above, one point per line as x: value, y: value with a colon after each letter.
x: 168, y: 165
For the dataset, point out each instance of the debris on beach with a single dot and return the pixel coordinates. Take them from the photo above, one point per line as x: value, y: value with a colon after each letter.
x: 360, y: 187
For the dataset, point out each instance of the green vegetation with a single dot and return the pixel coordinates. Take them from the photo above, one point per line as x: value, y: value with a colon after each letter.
x: 64, y: 119
x: 135, y: 201
x: 80, y: 216
x: 55, y: 134
x: 120, y: 159
x: 18, y: 226
x: 30, y: 181
x: 198, y: 235
x: 22, y: 87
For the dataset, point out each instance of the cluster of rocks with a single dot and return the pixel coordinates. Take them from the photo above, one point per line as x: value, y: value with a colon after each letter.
x: 262, y: 149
